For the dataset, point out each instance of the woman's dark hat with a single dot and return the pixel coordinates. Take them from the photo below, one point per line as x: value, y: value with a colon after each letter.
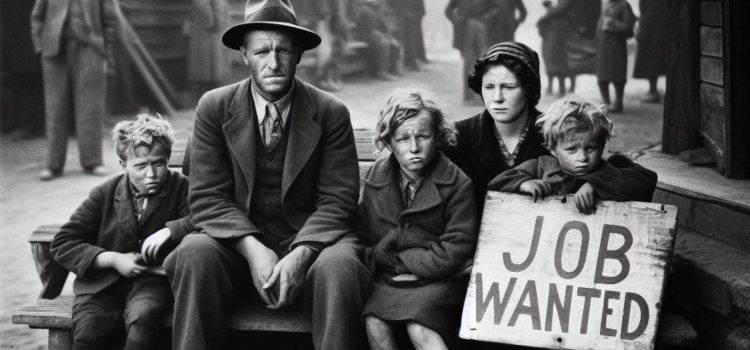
x: 508, y: 49
x: 269, y: 14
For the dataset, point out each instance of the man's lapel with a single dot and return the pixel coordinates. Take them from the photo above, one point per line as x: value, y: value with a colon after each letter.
x: 304, y: 134
x: 240, y: 134
x: 126, y: 218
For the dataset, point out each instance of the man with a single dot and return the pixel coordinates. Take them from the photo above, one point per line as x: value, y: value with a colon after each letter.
x: 70, y: 36
x: 273, y: 188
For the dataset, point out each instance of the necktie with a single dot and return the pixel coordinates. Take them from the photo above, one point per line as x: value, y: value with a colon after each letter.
x: 410, y: 191
x: 271, y: 127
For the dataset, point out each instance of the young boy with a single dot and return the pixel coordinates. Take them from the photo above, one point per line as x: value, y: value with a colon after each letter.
x: 576, y: 132
x: 120, y: 296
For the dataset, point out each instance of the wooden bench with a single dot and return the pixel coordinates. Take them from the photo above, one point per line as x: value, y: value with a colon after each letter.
x: 53, y: 311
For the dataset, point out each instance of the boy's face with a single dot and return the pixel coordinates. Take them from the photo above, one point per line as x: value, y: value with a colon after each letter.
x: 578, y: 153
x: 414, y: 145
x: 147, y: 167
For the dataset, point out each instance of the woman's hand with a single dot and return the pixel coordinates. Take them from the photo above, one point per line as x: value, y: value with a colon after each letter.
x: 538, y: 189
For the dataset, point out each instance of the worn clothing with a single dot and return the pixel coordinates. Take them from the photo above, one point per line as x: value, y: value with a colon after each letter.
x: 109, y: 308
x: 433, y: 239
x: 315, y: 188
x: 478, y: 153
x: 69, y: 34
x: 614, y: 27
x: 618, y: 178
x: 140, y: 304
x: 106, y: 221
x: 651, y: 53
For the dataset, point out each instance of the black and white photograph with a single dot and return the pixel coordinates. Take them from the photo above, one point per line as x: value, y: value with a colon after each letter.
x: 374, y: 174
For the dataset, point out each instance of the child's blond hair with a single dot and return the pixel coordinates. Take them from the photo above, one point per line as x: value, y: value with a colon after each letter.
x: 405, y: 104
x: 145, y: 130
x: 574, y: 115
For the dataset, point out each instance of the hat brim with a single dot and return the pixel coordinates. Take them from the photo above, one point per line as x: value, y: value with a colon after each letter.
x: 233, y: 38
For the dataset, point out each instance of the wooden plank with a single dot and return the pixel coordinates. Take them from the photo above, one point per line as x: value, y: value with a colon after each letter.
x: 711, y: 13
x: 712, y: 70
x: 711, y: 41
x: 547, y: 276
x: 713, y: 119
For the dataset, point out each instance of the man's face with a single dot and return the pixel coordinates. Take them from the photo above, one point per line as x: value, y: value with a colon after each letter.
x: 147, y: 167
x: 272, y: 56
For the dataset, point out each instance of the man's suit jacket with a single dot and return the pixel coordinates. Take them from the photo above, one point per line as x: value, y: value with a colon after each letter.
x: 320, y: 181
x: 48, y: 19
x: 106, y: 221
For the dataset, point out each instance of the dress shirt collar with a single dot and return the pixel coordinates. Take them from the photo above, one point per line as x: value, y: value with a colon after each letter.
x: 283, y: 104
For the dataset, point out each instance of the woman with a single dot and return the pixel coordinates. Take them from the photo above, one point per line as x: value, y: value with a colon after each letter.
x: 503, y: 135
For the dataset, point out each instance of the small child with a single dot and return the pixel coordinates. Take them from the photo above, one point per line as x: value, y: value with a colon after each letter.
x: 418, y: 223
x: 120, y: 295
x: 576, y: 132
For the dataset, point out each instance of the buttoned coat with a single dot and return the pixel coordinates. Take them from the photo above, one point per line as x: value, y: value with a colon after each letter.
x: 434, y: 236
x: 106, y: 221
x: 320, y: 180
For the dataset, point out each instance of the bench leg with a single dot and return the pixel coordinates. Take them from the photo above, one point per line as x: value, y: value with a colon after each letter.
x: 60, y: 339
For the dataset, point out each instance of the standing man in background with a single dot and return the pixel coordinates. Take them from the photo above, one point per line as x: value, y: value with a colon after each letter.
x: 70, y: 36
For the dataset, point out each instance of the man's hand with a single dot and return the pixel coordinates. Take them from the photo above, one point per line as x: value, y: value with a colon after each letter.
x: 261, y: 261
x: 585, y: 199
x: 288, y: 276
x: 536, y: 188
x: 152, y: 244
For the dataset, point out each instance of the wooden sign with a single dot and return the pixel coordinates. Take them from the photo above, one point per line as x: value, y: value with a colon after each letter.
x: 548, y: 276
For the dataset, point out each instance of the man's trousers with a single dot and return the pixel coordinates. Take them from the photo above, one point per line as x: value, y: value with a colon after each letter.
x: 208, y: 279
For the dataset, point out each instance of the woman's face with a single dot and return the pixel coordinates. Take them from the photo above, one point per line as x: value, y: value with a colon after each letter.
x: 414, y: 144
x: 503, y: 95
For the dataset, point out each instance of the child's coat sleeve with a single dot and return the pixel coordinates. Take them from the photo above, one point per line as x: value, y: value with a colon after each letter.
x: 511, y: 179
x: 621, y: 179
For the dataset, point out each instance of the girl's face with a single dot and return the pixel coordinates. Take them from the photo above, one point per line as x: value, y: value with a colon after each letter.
x: 578, y: 153
x: 414, y: 144
x: 503, y: 95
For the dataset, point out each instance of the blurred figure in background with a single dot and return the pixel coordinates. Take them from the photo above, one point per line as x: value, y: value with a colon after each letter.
x: 614, y: 28
x: 331, y: 21
x: 408, y: 16
x: 469, y: 35
x: 70, y: 35
x: 504, y: 18
x: 581, y: 43
x: 651, y: 55
x: 208, y: 60
x: 385, y: 53
x: 555, y: 28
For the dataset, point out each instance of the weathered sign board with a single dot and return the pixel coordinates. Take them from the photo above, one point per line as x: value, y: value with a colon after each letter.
x: 548, y: 276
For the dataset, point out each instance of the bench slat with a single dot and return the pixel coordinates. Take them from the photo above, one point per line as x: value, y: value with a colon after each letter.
x: 56, y: 313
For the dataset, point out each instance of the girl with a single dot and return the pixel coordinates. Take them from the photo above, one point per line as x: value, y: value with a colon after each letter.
x: 419, y: 225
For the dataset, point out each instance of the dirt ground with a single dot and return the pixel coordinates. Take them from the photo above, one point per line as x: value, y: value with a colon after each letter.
x: 26, y: 203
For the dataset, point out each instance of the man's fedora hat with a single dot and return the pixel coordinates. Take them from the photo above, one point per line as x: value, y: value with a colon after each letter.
x: 269, y: 14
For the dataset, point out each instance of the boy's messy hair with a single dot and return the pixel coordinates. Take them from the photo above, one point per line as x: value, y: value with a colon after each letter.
x: 145, y: 130
x: 405, y: 104
x: 569, y: 116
